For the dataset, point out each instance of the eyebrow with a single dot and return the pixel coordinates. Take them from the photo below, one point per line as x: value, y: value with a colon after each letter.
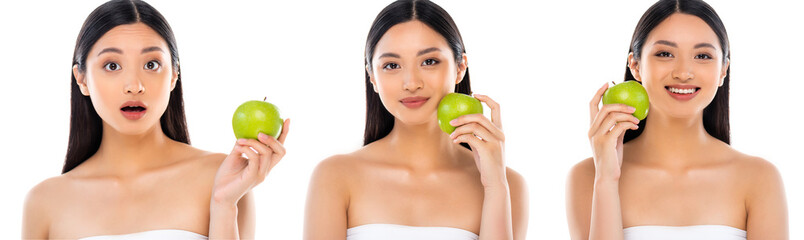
x: 151, y: 49
x: 702, y: 45
x: 665, y: 42
x: 393, y: 55
x: 426, y: 51
x: 114, y: 50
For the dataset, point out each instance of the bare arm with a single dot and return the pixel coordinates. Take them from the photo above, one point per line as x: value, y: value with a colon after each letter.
x: 607, y: 128
x: 221, y: 217
x: 327, y: 201
x: 580, y: 185
x: 231, y: 208
x: 766, y: 204
x: 519, y: 204
x: 487, y: 141
x: 35, y: 221
x: 246, y: 217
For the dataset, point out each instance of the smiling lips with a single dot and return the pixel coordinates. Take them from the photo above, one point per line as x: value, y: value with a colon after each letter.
x: 414, y: 102
x: 682, y: 92
x: 133, y: 110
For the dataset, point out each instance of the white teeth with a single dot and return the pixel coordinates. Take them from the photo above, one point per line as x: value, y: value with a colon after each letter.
x: 682, y: 90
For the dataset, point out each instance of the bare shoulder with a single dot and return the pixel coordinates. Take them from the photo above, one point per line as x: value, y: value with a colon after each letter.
x: 41, y: 201
x: 515, y: 180
x: 333, y: 168
x: 758, y: 172
x: 582, y: 173
x: 518, y: 189
x: 207, y: 161
x: 752, y: 167
x: 47, y: 195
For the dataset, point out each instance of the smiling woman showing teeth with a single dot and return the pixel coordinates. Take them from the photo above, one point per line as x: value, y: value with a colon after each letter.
x: 674, y: 175
x: 410, y: 180
x: 130, y: 172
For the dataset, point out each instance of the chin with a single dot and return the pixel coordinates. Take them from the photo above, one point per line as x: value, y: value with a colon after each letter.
x: 416, y: 118
x: 134, y: 128
x: 678, y: 111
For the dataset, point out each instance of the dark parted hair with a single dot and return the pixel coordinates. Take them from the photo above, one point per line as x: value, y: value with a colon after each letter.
x: 86, y: 127
x: 716, y: 114
x: 379, y: 121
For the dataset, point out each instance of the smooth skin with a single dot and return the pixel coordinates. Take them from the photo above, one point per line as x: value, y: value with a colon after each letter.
x: 674, y: 173
x: 139, y: 179
x: 419, y: 175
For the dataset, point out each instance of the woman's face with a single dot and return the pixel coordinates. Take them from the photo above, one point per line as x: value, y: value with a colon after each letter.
x: 681, y: 66
x: 412, y: 68
x: 129, y: 77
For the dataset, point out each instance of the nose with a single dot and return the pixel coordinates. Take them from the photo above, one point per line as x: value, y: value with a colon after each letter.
x: 683, y: 70
x: 412, y: 81
x: 134, y: 85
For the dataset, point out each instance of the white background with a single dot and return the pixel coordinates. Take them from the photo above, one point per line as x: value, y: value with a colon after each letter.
x: 542, y: 60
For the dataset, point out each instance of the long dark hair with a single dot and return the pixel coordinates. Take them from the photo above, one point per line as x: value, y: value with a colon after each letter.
x: 379, y: 121
x: 716, y: 114
x: 85, y: 125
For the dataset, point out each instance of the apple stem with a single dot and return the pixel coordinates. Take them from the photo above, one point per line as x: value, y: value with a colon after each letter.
x: 612, y: 82
x: 265, y: 98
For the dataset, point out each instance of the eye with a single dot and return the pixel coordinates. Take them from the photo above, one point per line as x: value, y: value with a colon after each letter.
x: 429, y: 62
x: 664, y: 54
x: 703, y: 56
x: 111, y: 67
x: 152, y: 65
x: 390, y: 66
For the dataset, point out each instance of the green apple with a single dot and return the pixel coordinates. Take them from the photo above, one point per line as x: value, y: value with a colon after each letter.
x: 454, y: 105
x: 630, y: 93
x: 254, y: 117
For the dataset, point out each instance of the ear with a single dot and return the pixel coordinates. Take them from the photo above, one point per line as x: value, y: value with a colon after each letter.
x: 80, y: 79
x: 371, y: 78
x: 462, y: 66
x: 175, y: 78
x: 724, y: 73
x: 633, y: 65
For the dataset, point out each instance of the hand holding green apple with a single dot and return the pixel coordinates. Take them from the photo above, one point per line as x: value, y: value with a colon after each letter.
x: 630, y: 93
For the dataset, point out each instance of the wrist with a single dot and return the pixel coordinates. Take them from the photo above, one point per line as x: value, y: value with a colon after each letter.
x: 607, y: 173
x: 496, y: 184
x: 607, y: 179
x: 222, y: 202
x: 222, y: 209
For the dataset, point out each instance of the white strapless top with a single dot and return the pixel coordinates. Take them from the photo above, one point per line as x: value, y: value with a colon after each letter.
x: 402, y: 232
x: 695, y: 232
x: 164, y: 234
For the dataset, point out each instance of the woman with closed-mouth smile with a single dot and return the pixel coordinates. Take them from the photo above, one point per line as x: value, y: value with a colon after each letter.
x: 410, y: 180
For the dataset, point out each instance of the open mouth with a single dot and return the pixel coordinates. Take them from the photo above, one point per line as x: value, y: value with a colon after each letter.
x: 133, y: 109
x: 683, y: 91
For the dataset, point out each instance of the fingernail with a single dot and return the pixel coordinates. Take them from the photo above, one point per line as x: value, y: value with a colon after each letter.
x: 632, y: 109
x: 241, y: 141
x: 262, y: 135
x: 453, y: 122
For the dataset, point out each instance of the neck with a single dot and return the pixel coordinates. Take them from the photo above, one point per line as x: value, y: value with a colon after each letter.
x: 423, y: 146
x: 673, y: 141
x: 123, y: 154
